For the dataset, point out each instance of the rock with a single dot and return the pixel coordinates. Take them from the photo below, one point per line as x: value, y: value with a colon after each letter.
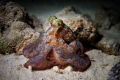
x: 0, y: 33
x: 13, y: 36
x: 1, y: 28
x: 107, y: 24
x: 113, y: 33
x: 37, y: 24
x: 109, y: 46
x: 108, y: 21
x: 106, y: 17
x: 7, y: 46
x: 15, y: 25
x: 15, y: 30
x: 11, y: 11
x: 30, y: 36
x: 79, y: 23
x: 114, y: 73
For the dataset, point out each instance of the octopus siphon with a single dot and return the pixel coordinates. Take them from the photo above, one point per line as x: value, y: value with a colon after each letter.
x: 56, y: 47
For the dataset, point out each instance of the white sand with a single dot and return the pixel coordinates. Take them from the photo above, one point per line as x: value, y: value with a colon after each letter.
x: 11, y: 68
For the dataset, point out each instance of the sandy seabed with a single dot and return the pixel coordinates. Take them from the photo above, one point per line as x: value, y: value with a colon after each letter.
x: 11, y: 68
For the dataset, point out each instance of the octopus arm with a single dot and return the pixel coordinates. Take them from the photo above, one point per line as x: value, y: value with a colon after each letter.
x: 31, y: 50
x: 80, y: 63
x: 42, y: 61
x: 66, y: 34
x: 66, y: 57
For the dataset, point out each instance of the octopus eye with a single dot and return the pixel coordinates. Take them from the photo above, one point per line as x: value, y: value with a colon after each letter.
x: 51, y: 18
x: 58, y: 22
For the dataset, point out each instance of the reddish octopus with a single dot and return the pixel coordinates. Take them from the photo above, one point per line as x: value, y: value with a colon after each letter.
x: 56, y: 47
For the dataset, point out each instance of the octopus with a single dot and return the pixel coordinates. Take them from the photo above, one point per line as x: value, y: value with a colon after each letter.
x: 56, y: 47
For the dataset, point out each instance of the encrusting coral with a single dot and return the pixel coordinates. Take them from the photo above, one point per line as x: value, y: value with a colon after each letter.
x: 56, y: 47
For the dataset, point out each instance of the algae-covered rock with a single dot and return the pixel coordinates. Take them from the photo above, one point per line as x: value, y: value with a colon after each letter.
x: 13, y: 36
x: 7, y: 45
x: 15, y: 25
x: 109, y: 46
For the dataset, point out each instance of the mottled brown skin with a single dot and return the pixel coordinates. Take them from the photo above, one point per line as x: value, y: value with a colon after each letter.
x: 56, y: 47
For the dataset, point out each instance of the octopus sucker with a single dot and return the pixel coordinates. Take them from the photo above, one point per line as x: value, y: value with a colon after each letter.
x: 56, y: 47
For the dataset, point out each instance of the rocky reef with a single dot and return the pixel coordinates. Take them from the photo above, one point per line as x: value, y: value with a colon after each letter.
x: 108, y: 23
x: 14, y: 23
x: 10, y: 12
x: 106, y: 17
x: 108, y: 45
x: 14, y: 35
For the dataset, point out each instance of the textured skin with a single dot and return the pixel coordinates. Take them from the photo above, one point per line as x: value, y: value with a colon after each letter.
x: 56, y: 47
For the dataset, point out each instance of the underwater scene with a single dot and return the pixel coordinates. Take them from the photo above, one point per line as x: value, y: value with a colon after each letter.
x: 59, y: 40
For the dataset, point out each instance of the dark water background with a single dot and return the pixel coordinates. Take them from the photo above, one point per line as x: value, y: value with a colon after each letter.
x: 43, y: 8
